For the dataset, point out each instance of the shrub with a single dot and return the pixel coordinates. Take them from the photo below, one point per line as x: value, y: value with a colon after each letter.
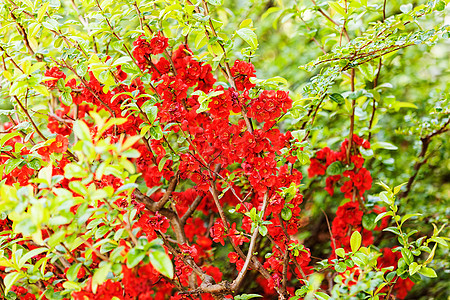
x: 143, y: 155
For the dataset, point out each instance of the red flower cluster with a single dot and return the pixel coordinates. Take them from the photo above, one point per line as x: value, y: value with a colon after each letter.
x: 137, y: 283
x: 212, y: 138
x: 348, y: 220
x: 359, y: 177
x: 218, y: 232
x: 269, y: 105
x: 22, y: 293
x: 390, y: 259
x: 242, y: 72
x: 150, y: 224
x: 56, y: 125
x: 58, y: 146
x: 56, y: 73
x: 143, y: 49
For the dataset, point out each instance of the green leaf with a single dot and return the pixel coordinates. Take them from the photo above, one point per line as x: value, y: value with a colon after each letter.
x: 156, y: 132
x: 29, y: 3
x: 162, y: 263
x: 73, y: 271
x: 82, y: 70
x: 10, y: 165
x: 215, y: 2
x: 406, y: 217
x: 162, y: 162
x: 66, y: 98
x: 263, y: 230
x: 42, y: 11
x: 303, y: 157
x: 439, y: 240
x: 248, y: 36
x: 360, y: 260
x: 386, y: 198
x: 440, y: 6
x: 134, y: 257
x: 81, y: 130
x: 7, y: 137
x: 340, y: 252
x: 340, y: 267
x: 337, y: 7
x: 398, y: 104
x: 384, y: 145
x: 10, y: 279
x: 428, y: 272
x: 72, y: 170
x: 100, y: 276
x: 246, y: 296
x: 398, y: 188
x: 405, y: 8
x: 29, y: 255
x: 335, y: 168
x: 321, y: 296
x: 384, y: 185
x: 152, y: 114
x: 407, y: 256
x: 286, y: 213
x: 355, y: 241
x: 337, y: 98
x: 34, y: 164
x: 121, y: 60
x: 382, y: 215
x: 368, y: 221
x: 413, y: 268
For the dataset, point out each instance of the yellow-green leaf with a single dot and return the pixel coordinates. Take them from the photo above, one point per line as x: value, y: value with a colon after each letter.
x: 355, y: 241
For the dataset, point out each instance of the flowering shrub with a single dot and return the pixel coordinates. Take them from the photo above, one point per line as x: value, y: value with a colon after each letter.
x: 143, y: 159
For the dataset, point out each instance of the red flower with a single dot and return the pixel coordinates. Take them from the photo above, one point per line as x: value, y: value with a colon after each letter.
x: 217, y: 232
x: 59, y: 145
x: 233, y: 256
x: 158, y: 44
x: 242, y: 71
x: 150, y: 224
x: 22, y: 175
x: 55, y: 73
x: 44, y: 152
x: 142, y: 51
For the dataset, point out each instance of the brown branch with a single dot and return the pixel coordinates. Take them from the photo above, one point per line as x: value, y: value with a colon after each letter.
x: 330, y: 19
x: 191, y: 209
x: 127, y: 226
x: 29, y: 118
x: 87, y: 87
x: 24, y: 34
x: 11, y: 59
x: 421, y: 158
x: 312, y: 38
x: 159, y: 207
x: 24, y: 11
x: 352, y: 117
x: 374, y: 108
x: 348, y: 66
x: 237, y: 282
x: 208, y: 284
x: 329, y: 228
x: 105, y: 258
x: 225, y: 67
x: 285, y: 268
x: 66, y: 263
x: 313, y: 118
x: 156, y: 206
